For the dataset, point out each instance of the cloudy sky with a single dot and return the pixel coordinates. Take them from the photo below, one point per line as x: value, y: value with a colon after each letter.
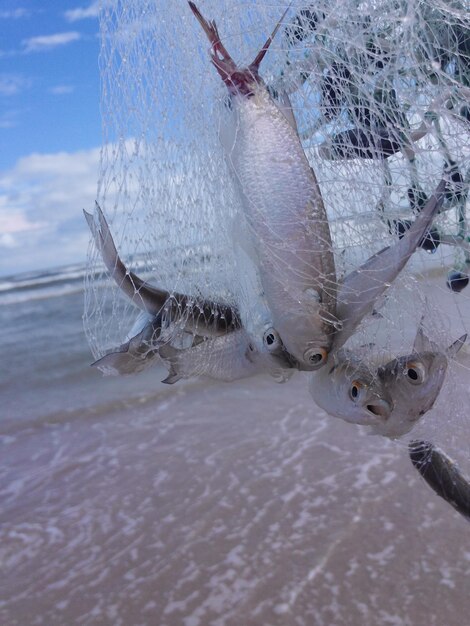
x: 50, y: 130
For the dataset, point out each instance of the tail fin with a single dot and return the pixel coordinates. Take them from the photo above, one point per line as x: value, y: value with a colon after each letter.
x: 221, y: 59
x: 235, y: 78
x: 260, y: 56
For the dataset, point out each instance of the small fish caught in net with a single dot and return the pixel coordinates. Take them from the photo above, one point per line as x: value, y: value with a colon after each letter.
x: 241, y: 220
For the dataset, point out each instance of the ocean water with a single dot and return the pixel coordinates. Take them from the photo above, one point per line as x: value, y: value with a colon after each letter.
x: 127, y: 502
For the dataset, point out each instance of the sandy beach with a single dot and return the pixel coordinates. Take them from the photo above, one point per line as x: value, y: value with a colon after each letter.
x: 128, y: 502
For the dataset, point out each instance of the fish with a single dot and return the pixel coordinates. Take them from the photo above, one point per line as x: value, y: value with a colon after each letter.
x: 136, y: 354
x: 364, y: 143
x: 283, y: 206
x: 196, y: 315
x: 228, y: 358
x: 350, y: 390
x: 414, y: 382
x: 225, y: 358
x: 390, y: 398
x: 442, y: 474
x: 174, y: 311
x: 359, y: 291
x: 167, y: 319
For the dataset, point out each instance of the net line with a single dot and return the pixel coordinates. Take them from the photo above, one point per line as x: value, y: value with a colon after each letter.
x: 380, y: 96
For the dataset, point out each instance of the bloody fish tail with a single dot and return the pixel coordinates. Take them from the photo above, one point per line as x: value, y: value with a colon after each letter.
x: 233, y: 77
x: 260, y: 56
x: 221, y: 59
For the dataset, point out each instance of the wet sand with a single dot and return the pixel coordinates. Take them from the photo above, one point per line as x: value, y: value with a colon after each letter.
x: 231, y: 504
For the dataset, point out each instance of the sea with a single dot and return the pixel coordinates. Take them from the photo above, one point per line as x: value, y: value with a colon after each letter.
x: 127, y: 502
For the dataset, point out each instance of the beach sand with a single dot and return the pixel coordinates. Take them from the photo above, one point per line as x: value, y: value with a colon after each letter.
x: 223, y: 504
x: 128, y: 502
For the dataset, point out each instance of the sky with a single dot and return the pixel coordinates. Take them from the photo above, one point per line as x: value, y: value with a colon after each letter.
x: 50, y: 131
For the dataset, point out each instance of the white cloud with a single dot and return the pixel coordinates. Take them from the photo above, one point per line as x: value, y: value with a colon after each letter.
x: 82, y: 13
x: 16, y: 223
x: 41, y: 202
x: 47, y: 42
x: 60, y: 90
x: 9, y: 119
x: 14, y: 14
x: 11, y: 84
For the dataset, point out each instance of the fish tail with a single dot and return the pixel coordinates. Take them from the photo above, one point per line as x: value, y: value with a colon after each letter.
x: 221, y: 59
x: 236, y: 79
x: 260, y: 56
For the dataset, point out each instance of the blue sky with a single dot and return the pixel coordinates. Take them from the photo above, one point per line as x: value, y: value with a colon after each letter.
x: 50, y: 130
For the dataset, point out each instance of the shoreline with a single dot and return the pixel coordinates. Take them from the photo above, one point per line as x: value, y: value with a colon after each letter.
x: 224, y: 504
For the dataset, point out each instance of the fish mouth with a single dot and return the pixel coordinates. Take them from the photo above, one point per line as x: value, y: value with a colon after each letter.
x: 290, y: 359
x: 379, y: 408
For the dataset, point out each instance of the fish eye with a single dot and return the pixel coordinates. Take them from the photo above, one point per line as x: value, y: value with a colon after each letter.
x: 316, y: 357
x: 415, y: 372
x: 272, y: 340
x: 355, y: 389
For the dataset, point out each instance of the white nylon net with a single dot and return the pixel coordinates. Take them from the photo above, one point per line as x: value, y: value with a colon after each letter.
x: 381, y: 96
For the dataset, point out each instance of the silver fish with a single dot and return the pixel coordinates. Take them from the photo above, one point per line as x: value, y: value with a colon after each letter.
x: 141, y: 348
x: 136, y: 354
x: 413, y: 382
x: 361, y: 288
x: 391, y: 398
x: 228, y: 358
x: 169, y: 318
x: 442, y: 474
x: 350, y: 390
x: 283, y: 206
x: 198, y: 316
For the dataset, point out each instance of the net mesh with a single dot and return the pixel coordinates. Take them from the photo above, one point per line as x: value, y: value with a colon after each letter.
x: 380, y: 94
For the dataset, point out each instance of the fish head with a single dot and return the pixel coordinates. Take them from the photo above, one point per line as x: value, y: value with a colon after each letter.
x: 350, y: 390
x: 308, y: 345
x: 414, y: 382
x: 276, y: 350
x: 312, y: 340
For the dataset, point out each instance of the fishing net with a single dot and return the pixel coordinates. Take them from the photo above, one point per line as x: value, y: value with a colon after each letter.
x: 381, y: 97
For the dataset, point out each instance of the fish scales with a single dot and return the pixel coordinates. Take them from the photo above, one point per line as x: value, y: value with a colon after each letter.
x: 287, y: 217
x: 282, y: 204
x: 228, y: 358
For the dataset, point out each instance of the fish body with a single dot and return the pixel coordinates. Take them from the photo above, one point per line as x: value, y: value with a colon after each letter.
x: 287, y: 219
x: 228, y: 358
x: 283, y: 207
x: 201, y: 317
x: 442, y: 475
